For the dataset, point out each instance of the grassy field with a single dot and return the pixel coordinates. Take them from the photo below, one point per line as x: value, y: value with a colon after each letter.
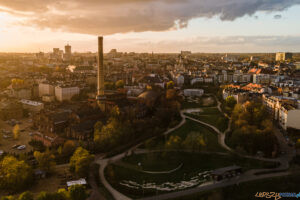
x: 210, y: 137
x: 211, y: 116
x: 193, y: 164
x: 197, y: 102
x: 248, y: 190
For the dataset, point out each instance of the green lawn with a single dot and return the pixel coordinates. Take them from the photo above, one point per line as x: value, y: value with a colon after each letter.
x: 194, y: 164
x: 200, y: 103
x: 187, y: 105
x: 248, y: 190
x: 210, y: 137
x: 213, y: 117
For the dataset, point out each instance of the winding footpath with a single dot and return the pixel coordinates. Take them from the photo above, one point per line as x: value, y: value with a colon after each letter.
x: 247, y: 176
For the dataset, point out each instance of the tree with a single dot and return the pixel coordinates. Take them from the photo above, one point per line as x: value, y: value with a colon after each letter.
x: 8, y: 198
x: 15, y: 175
x: 80, y: 161
x: 26, y: 196
x: 230, y: 102
x: 68, y: 148
x: 194, y: 141
x: 16, y: 131
x: 63, y: 193
x: 49, y: 196
x: 45, y: 160
x: 120, y: 84
x: 170, y: 85
x: 171, y: 94
x: 174, y: 142
x: 109, y: 85
x: 97, y: 130
x: 78, y: 192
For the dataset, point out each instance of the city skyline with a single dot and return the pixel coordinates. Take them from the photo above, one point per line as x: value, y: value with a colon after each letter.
x: 165, y: 26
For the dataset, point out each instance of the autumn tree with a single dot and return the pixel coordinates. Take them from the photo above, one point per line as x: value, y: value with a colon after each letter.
x: 170, y: 85
x: 68, y: 148
x: 174, y: 142
x: 26, y: 196
x: 45, y: 160
x: 16, y: 131
x: 194, y: 141
x: 118, y: 130
x: 78, y: 192
x: 50, y: 196
x: 80, y: 161
x: 120, y: 84
x: 15, y: 174
x: 230, y: 102
x: 252, y: 129
x: 8, y: 198
x: 109, y: 85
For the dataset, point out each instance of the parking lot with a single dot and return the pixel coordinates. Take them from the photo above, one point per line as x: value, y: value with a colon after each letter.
x: 7, y: 141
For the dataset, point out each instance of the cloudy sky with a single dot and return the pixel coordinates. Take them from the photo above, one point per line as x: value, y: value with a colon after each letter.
x: 151, y: 25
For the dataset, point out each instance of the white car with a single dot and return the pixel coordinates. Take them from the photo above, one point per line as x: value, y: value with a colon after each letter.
x: 1, y: 152
x: 22, y: 147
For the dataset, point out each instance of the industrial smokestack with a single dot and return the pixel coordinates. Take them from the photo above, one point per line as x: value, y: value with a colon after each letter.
x: 100, y: 88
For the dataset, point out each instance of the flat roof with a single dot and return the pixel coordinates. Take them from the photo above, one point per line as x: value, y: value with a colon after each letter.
x: 32, y: 103
x: 81, y: 181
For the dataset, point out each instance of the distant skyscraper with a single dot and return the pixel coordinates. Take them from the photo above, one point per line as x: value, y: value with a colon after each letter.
x: 68, y: 52
x: 68, y: 49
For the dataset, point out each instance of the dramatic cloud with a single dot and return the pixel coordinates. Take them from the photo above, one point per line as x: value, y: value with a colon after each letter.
x: 277, y: 16
x: 120, y: 16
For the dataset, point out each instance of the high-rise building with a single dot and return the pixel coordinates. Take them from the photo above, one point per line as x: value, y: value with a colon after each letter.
x: 68, y: 52
x: 283, y: 56
x: 65, y: 93
x: 68, y: 49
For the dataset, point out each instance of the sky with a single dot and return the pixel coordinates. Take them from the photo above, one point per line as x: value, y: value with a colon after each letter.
x: 160, y: 26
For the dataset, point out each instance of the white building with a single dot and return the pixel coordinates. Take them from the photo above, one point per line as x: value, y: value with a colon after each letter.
x: 289, y: 117
x: 180, y: 80
x: 81, y: 181
x: 285, y: 110
x: 65, y: 93
x: 193, y: 92
x: 46, y: 89
x: 33, y: 106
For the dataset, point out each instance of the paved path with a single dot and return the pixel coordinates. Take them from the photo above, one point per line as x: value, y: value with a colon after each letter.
x: 248, y: 176
x: 103, y: 163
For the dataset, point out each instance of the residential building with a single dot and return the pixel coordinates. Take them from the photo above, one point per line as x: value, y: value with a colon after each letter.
x: 65, y: 93
x: 283, y: 56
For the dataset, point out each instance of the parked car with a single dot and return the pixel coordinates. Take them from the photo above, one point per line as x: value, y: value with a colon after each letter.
x: 6, y: 136
x: 15, y: 146
x: 22, y: 147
